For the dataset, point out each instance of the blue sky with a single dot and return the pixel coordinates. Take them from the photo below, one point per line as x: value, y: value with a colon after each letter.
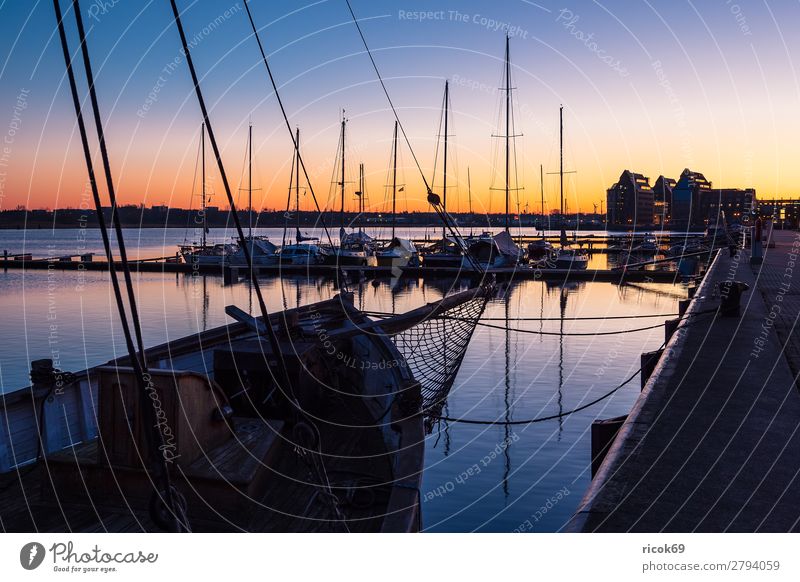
x: 653, y: 86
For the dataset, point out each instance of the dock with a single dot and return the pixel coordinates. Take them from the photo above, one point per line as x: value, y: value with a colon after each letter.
x: 234, y: 273
x: 713, y: 442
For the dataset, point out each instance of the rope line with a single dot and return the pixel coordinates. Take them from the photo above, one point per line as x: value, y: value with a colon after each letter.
x: 433, y: 199
x: 435, y: 416
x: 541, y: 418
x: 593, y: 318
x: 170, y: 496
x: 283, y: 378
x: 388, y: 97
x: 567, y: 334
x: 288, y: 125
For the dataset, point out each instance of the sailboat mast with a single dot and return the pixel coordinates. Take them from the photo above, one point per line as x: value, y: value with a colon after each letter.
x: 469, y: 191
x: 297, y: 179
x: 508, y: 127
x: 561, y: 157
x: 360, y: 194
x: 250, y: 181
x: 394, y: 183
x: 342, y: 183
x: 541, y: 186
x: 203, y: 180
x: 469, y: 198
x: 444, y: 184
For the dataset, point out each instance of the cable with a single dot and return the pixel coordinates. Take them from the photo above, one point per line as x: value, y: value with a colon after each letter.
x: 139, y: 366
x: 541, y: 418
x: 386, y: 92
x: 598, y: 317
x: 288, y: 125
x: 123, y: 254
x: 563, y: 414
x: 273, y: 338
x: 433, y: 199
x: 576, y: 334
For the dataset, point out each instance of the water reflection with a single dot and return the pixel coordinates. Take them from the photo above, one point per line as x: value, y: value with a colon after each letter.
x: 507, y: 398
x: 506, y: 375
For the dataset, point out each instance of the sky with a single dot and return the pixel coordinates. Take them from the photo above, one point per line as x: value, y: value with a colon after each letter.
x: 652, y: 86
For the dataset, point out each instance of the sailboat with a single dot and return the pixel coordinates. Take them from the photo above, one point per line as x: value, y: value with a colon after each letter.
x: 541, y: 247
x: 262, y: 250
x: 500, y: 250
x: 566, y: 257
x: 400, y: 252
x: 304, y: 251
x: 358, y: 242
x: 350, y: 251
x: 449, y: 250
x: 201, y: 252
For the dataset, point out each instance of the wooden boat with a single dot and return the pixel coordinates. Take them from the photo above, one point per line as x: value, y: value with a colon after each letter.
x: 241, y: 456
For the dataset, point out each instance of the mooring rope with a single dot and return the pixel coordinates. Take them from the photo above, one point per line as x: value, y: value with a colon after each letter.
x: 588, y: 318
x: 567, y: 334
x: 562, y: 414
x: 288, y: 126
x: 433, y: 199
x: 171, y: 497
x: 283, y: 378
x: 541, y: 418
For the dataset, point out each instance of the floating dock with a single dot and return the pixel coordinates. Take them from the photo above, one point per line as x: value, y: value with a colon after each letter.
x: 713, y: 442
x: 232, y: 273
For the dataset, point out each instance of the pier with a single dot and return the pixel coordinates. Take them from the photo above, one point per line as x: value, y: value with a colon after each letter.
x: 638, y: 269
x: 713, y: 442
x: 233, y: 273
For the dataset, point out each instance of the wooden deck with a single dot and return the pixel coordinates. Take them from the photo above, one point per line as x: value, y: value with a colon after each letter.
x: 286, y: 498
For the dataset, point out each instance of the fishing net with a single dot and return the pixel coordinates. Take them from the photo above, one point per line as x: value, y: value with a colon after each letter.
x: 434, y: 348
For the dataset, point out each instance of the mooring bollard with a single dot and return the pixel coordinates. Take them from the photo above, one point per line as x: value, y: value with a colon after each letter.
x: 730, y: 297
x: 603, y: 434
x: 649, y: 361
x: 756, y: 249
x: 229, y: 275
x: 683, y: 305
x: 669, y: 328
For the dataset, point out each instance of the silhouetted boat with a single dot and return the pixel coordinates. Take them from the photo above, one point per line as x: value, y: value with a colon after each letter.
x: 539, y: 249
x: 311, y: 419
x: 304, y: 254
x: 400, y: 252
x: 567, y: 258
x: 446, y: 252
x: 496, y: 251
x: 242, y: 456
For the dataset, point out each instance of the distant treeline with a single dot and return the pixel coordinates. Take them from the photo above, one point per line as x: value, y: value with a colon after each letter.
x: 162, y: 217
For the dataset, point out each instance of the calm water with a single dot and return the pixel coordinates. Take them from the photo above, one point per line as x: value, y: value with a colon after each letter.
x: 69, y: 316
x: 163, y: 242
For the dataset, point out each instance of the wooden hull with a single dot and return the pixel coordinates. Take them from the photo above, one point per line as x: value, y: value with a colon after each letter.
x: 249, y: 475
